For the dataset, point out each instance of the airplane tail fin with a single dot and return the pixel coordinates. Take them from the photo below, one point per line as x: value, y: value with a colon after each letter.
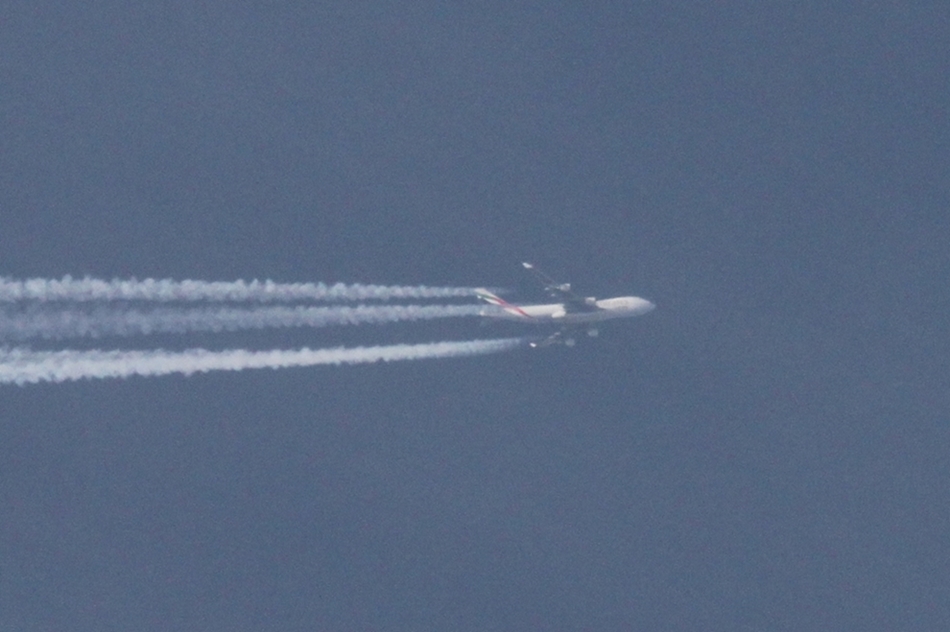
x: 497, y: 301
x: 488, y: 297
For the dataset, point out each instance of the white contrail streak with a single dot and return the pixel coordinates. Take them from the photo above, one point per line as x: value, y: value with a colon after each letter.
x: 57, y: 324
x: 166, y: 290
x: 22, y: 366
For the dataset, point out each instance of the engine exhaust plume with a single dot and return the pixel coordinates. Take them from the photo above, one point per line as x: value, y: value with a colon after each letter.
x: 165, y: 290
x: 23, y: 366
x: 46, y: 322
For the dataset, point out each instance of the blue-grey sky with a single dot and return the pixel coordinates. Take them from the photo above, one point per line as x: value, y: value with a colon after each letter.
x: 767, y: 450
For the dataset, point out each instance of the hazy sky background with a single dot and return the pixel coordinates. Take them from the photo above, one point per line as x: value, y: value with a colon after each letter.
x: 767, y: 450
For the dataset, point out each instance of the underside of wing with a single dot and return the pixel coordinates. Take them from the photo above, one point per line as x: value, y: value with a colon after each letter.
x: 554, y: 339
x: 573, y: 302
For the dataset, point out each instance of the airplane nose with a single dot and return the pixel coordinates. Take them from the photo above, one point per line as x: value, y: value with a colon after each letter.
x: 646, y: 306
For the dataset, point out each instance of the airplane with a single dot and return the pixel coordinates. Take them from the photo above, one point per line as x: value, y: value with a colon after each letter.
x: 573, y: 312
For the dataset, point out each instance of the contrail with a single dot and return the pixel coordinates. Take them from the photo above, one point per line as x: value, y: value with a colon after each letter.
x: 22, y: 366
x: 166, y: 290
x: 57, y: 324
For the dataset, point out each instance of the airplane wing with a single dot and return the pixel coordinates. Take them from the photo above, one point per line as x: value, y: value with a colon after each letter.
x: 573, y: 303
x: 565, y: 336
x: 554, y: 339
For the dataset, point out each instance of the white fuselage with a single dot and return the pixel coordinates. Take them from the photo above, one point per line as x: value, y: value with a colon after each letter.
x: 557, y: 313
